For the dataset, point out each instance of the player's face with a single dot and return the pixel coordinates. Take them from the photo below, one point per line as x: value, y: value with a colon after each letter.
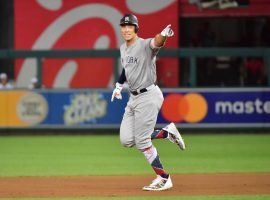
x: 128, y: 32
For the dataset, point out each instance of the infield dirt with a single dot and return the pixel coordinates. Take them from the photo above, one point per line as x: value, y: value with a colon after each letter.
x: 119, y: 186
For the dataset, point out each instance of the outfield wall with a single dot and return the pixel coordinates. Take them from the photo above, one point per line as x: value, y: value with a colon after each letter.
x: 188, y: 108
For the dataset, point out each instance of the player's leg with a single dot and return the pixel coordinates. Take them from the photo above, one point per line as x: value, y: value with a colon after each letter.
x: 127, y: 138
x: 146, y: 110
x: 159, y: 134
x: 174, y: 136
x: 171, y: 133
x: 163, y: 180
x: 143, y: 140
x: 145, y: 119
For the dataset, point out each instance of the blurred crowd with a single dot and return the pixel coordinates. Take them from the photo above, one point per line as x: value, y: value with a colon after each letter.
x: 221, y: 4
x: 6, y: 84
x: 224, y: 71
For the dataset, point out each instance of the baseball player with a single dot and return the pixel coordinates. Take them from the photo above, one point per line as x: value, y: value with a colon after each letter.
x: 138, y: 58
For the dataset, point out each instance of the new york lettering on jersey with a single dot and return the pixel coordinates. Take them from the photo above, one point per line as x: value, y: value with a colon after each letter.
x: 131, y: 60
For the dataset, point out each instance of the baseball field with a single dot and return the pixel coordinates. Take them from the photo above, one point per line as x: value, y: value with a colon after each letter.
x: 214, y: 167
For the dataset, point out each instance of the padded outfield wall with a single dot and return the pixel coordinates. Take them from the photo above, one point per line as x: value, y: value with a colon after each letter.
x: 84, y: 109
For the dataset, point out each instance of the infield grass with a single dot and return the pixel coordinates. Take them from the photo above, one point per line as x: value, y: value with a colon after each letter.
x: 103, y: 155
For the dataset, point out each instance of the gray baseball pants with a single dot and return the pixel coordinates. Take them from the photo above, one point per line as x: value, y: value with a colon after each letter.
x: 140, y: 118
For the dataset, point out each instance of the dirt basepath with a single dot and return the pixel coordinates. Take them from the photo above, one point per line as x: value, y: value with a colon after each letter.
x: 108, y: 186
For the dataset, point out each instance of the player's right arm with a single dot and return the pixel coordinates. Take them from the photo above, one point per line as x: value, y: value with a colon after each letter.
x: 122, y: 79
x: 119, y: 86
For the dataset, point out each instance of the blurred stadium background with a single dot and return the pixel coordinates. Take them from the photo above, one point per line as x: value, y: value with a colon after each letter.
x: 59, y: 60
x: 215, y: 70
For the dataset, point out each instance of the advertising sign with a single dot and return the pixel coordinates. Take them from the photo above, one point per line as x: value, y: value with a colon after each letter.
x: 217, y: 107
x: 201, y: 108
x: 86, y: 24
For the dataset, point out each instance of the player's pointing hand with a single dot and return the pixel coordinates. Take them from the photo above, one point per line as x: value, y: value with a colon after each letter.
x: 167, y: 32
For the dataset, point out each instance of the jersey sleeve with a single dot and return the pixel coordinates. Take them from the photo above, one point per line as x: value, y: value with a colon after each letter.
x: 150, y: 48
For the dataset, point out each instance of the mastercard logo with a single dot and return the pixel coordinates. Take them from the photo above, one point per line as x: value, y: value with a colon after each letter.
x: 191, y: 107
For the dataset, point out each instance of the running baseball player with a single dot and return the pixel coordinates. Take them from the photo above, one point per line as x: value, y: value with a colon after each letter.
x: 138, y: 58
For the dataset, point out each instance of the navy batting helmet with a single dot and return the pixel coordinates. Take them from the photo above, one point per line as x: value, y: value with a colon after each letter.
x: 131, y: 20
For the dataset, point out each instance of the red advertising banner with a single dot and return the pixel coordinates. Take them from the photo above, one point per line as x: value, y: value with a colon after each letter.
x: 86, y: 24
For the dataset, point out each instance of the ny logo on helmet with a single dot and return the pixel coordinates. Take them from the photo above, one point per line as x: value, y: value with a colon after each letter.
x: 126, y: 18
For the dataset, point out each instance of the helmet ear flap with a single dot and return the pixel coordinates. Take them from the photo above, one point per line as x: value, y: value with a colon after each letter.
x: 136, y: 29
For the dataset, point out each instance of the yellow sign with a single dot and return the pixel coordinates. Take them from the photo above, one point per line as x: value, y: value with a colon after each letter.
x: 21, y: 108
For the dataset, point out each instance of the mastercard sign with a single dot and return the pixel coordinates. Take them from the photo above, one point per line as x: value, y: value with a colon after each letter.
x: 191, y: 107
x: 227, y: 107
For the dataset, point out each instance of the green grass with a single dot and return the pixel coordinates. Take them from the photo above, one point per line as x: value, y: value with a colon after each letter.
x: 263, y: 197
x: 103, y: 155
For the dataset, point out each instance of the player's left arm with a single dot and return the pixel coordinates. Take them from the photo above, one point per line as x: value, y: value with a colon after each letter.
x: 160, y: 38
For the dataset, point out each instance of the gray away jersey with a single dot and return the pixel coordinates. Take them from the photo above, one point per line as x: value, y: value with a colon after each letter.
x: 139, y: 62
